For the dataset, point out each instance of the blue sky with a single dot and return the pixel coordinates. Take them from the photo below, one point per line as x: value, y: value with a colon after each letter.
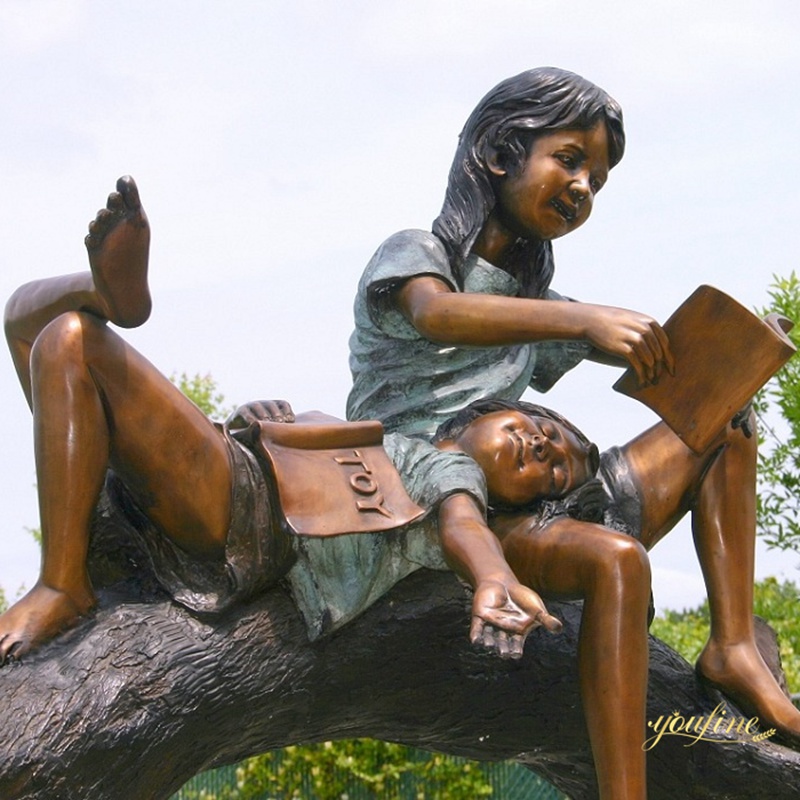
x: 277, y: 144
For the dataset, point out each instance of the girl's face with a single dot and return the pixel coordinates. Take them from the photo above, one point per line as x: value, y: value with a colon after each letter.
x: 553, y: 192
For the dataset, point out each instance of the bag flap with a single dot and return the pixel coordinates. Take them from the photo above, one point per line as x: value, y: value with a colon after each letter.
x: 334, y: 477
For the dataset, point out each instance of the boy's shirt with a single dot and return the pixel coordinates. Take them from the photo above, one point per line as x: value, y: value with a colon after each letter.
x: 335, y: 578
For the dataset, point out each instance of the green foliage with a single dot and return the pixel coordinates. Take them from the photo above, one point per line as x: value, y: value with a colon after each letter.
x: 686, y: 631
x: 37, y: 535
x: 779, y: 450
x: 4, y: 602
x: 202, y: 390
x: 327, y: 771
x: 777, y: 603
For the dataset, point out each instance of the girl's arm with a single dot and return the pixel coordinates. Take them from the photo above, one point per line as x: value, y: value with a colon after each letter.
x: 599, y: 357
x: 503, y: 610
x: 483, y: 320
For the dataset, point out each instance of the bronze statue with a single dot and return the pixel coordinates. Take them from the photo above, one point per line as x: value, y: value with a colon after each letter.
x: 466, y: 312
x: 98, y: 404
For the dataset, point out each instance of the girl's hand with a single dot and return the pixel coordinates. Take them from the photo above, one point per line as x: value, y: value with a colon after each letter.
x: 504, y: 613
x: 635, y: 337
x: 746, y: 420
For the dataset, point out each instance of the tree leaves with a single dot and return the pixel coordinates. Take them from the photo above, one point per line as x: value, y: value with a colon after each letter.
x: 778, y: 509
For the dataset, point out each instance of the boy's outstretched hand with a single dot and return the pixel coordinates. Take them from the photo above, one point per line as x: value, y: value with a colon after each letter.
x: 503, y: 614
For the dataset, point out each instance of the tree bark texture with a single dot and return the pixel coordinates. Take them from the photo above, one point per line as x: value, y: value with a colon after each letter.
x: 144, y: 695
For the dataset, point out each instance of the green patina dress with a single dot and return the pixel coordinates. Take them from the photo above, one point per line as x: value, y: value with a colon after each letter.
x: 412, y: 384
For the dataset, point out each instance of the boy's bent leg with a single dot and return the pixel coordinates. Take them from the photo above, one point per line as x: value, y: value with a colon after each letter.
x: 97, y: 402
x: 571, y: 559
x: 172, y: 459
x: 116, y: 288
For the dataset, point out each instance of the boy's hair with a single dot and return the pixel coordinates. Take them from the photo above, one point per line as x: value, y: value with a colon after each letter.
x: 587, y: 501
x: 507, y: 120
x: 453, y: 427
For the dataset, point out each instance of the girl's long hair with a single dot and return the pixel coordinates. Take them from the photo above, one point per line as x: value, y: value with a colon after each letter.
x: 506, y: 121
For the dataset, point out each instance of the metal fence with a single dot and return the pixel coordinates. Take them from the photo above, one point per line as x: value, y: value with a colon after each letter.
x: 509, y: 781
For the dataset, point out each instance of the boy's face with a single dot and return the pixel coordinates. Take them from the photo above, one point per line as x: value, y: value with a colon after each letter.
x: 525, y: 458
x: 553, y: 192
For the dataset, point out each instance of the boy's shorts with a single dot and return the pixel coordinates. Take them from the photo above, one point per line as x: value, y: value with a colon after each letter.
x: 257, y: 552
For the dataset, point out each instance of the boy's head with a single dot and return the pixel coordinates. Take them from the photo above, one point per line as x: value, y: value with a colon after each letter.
x: 527, y: 452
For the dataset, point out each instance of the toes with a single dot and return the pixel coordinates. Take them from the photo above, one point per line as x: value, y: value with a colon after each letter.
x: 115, y: 202
x: 99, y: 226
x: 14, y: 652
x: 8, y: 648
x: 121, y: 204
x: 104, y: 218
x: 127, y: 188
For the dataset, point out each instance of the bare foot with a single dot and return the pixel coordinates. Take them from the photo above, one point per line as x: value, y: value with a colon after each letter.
x: 119, y: 243
x: 740, y: 672
x: 37, y: 618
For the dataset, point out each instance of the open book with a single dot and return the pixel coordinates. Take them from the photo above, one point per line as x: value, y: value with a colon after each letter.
x: 723, y: 355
